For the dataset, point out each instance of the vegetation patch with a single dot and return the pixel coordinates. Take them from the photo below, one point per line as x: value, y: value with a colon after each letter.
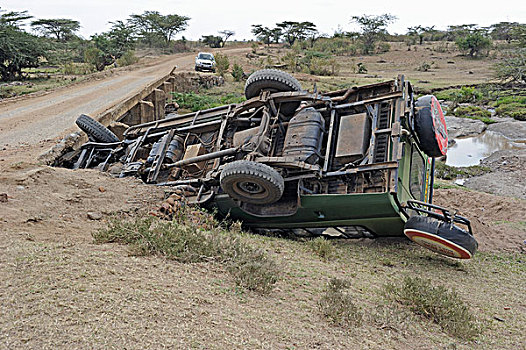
x: 338, y: 306
x: 465, y: 94
x: 511, y: 106
x: 322, y: 248
x: 196, y: 102
x: 474, y: 112
x: 194, y: 236
x: 440, y: 305
x: 448, y: 172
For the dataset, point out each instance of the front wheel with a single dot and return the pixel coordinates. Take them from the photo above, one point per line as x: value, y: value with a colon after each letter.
x: 252, y: 182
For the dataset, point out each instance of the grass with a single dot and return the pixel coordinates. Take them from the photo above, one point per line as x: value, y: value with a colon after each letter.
x: 448, y: 172
x: 440, y: 305
x: 474, y: 112
x: 338, y: 306
x: 196, y: 102
x: 322, y: 248
x: 193, y: 237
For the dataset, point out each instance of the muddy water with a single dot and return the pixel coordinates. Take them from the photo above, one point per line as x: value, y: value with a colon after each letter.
x: 471, y: 150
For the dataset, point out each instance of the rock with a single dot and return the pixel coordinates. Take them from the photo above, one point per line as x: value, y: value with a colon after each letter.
x: 513, y: 130
x: 94, y: 216
x: 459, y: 127
x: 3, y: 197
x: 60, y: 148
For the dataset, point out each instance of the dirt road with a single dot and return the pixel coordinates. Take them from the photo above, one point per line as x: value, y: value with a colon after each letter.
x: 36, y: 119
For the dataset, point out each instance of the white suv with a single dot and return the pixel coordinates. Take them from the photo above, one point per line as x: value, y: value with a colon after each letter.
x: 205, y: 61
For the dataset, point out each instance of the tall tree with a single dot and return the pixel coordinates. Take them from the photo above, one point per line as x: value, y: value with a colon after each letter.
x: 61, y: 29
x: 164, y: 26
x: 226, y: 34
x: 373, y: 29
x: 264, y: 34
x: 18, y: 49
x: 474, y: 42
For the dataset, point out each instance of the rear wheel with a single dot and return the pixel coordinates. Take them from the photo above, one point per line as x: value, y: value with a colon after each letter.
x: 441, y: 237
x: 95, y: 129
x: 430, y: 126
x: 252, y: 182
x: 273, y: 80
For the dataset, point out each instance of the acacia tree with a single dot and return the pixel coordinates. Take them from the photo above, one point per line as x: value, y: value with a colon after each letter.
x: 292, y: 31
x: 264, y: 34
x: 419, y: 32
x: 373, y: 28
x: 152, y: 23
x: 226, y: 34
x: 61, y: 28
x: 213, y: 41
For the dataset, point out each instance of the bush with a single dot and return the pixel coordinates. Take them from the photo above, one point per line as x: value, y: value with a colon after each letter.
x: 128, y: 58
x: 237, y: 72
x: 438, y: 304
x: 222, y: 64
x: 474, y: 44
x: 78, y: 68
x: 336, y: 46
x: 383, y: 47
x: 338, y: 306
x: 194, y: 236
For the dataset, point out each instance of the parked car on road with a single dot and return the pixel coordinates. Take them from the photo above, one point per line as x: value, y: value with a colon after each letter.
x: 205, y: 61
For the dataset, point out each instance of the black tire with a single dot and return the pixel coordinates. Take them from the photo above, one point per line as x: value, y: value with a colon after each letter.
x: 196, y: 69
x: 252, y: 182
x: 95, y: 129
x: 430, y: 126
x: 273, y: 80
x: 441, y: 237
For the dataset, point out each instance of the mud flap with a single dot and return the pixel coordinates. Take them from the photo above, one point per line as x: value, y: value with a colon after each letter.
x: 441, y: 237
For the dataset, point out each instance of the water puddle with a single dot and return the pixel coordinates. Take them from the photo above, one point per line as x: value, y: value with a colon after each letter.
x: 471, y: 150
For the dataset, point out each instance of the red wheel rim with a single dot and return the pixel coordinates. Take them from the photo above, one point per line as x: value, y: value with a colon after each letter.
x: 439, y: 124
x: 437, y: 244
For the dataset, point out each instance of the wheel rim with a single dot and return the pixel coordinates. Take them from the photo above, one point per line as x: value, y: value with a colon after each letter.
x: 251, y: 189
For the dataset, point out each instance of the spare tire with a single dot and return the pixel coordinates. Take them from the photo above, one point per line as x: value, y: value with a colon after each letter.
x: 95, y: 129
x: 252, y: 182
x: 430, y: 126
x: 441, y: 237
x: 273, y: 80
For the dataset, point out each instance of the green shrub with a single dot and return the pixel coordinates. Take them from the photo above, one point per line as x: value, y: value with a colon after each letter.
x: 465, y: 94
x: 322, y: 247
x: 338, y: 306
x: 128, y: 58
x: 424, y: 67
x: 336, y: 46
x: 237, y: 72
x: 188, y: 241
x: 222, y: 64
x: 383, y: 47
x: 474, y: 112
x: 196, y: 102
x: 440, y: 305
x: 78, y: 68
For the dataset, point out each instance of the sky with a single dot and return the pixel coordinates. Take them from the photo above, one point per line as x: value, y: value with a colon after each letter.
x: 209, y: 17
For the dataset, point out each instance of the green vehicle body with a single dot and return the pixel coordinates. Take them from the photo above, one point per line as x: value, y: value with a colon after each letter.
x: 378, y: 213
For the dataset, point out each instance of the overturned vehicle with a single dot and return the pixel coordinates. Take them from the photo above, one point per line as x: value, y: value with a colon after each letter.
x: 359, y: 161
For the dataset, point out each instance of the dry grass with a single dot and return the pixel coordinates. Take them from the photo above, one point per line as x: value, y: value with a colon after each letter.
x: 438, y: 304
x: 338, y: 306
x: 322, y: 248
x: 191, y: 241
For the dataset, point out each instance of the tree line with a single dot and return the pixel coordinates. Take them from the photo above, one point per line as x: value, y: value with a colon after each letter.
x: 56, y: 41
